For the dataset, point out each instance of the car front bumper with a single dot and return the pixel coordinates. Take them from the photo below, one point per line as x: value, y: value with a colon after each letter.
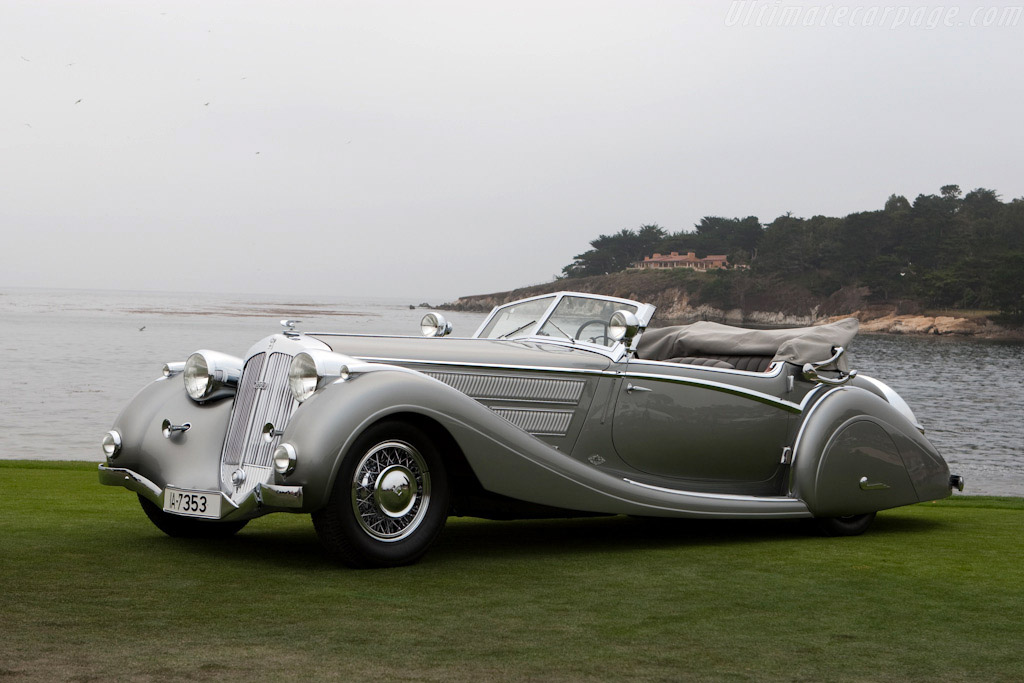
x: 264, y: 498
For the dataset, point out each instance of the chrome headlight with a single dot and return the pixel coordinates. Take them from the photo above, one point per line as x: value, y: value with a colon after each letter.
x: 434, y: 325
x: 111, y: 444
x: 309, y: 368
x: 209, y: 375
x: 285, y: 459
x: 623, y: 326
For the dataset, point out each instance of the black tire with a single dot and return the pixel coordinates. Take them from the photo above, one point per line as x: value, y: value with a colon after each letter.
x: 186, y: 527
x: 850, y: 525
x: 390, y: 499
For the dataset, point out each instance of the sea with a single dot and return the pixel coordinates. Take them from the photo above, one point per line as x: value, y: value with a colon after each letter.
x: 70, y: 360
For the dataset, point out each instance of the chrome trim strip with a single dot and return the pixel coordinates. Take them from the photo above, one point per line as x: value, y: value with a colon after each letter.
x: 714, y: 496
x: 614, y: 353
x: 807, y: 419
x: 725, y: 388
x: 775, y: 371
x: 737, y: 391
x: 490, y: 366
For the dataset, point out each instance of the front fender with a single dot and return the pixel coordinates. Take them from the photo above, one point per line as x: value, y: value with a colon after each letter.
x: 855, y: 453
x: 188, y: 459
x: 323, y: 429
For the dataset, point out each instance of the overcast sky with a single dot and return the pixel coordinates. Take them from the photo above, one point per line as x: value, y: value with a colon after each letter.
x: 434, y: 149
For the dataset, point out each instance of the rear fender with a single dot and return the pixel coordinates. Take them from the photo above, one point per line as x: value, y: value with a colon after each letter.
x: 855, y: 453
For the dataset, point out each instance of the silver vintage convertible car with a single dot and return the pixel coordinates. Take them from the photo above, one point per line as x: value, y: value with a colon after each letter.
x: 559, y: 405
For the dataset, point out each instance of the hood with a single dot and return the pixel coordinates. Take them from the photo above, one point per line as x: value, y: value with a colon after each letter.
x: 449, y: 351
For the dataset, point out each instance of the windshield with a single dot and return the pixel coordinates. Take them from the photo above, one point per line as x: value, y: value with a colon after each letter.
x: 583, y: 319
x: 516, y: 319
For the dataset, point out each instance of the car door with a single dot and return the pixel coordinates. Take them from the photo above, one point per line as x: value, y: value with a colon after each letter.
x: 723, y: 428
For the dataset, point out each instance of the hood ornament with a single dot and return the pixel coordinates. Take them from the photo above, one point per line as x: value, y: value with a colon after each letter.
x: 289, y: 327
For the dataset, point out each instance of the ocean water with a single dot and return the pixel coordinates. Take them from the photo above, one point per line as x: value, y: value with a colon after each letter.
x: 70, y: 360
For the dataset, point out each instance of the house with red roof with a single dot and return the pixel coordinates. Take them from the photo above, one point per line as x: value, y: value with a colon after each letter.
x: 687, y: 260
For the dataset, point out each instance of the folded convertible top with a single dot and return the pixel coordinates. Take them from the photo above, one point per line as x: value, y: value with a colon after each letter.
x: 794, y: 345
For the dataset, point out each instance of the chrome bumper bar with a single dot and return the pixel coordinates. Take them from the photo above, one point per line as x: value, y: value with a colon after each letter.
x: 262, y: 497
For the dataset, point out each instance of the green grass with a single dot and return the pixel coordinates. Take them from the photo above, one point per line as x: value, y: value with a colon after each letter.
x: 92, y: 591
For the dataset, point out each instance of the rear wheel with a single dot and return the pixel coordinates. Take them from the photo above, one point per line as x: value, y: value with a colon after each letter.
x: 186, y: 527
x: 850, y: 525
x: 390, y: 499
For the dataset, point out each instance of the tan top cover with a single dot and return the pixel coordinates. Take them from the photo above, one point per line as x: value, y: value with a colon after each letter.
x: 797, y: 345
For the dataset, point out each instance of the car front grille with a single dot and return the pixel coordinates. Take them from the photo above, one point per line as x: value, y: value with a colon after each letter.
x: 263, y: 397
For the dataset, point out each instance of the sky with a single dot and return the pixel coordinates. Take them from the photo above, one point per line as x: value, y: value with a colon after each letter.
x: 429, y: 150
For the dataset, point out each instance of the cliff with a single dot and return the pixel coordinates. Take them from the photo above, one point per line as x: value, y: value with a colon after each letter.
x: 677, y: 298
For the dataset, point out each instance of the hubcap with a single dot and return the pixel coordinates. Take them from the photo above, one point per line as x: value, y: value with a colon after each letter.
x: 395, y: 493
x: 391, y: 491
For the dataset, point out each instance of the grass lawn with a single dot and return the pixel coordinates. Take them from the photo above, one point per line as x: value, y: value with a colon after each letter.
x: 92, y: 591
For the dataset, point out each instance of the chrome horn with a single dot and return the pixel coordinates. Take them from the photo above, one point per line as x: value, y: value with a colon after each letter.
x: 810, y: 370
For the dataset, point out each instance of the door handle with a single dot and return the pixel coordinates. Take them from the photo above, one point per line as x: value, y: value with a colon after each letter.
x: 630, y: 388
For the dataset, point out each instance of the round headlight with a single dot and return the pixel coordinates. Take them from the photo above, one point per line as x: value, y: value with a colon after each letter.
x: 111, y: 444
x: 434, y: 325
x: 284, y: 459
x: 197, y: 377
x: 310, y: 368
x: 303, y: 377
x: 209, y: 375
x: 623, y: 326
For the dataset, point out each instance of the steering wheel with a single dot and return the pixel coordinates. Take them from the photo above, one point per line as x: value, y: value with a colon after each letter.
x: 595, y: 321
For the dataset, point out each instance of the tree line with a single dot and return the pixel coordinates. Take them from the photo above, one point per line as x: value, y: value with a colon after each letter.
x: 946, y: 250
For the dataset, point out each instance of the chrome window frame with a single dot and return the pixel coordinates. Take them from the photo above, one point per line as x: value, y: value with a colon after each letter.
x: 644, y: 313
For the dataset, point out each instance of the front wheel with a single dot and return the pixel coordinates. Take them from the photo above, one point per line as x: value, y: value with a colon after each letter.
x: 850, y: 525
x: 389, y: 502
x: 186, y: 527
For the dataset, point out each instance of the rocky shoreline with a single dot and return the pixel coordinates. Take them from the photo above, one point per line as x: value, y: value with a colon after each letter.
x: 674, y: 308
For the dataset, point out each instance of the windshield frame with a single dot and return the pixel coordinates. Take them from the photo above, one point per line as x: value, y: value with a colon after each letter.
x: 644, y: 313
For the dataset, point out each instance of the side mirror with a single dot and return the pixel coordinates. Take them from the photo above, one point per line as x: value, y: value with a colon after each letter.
x: 434, y: 325
x: 623, y: 327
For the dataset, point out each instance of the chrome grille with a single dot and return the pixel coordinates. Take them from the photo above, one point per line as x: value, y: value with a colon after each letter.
x: 509, y: 388
x: 497, y: 392
x: 263, y: 396
x: 538, y: 422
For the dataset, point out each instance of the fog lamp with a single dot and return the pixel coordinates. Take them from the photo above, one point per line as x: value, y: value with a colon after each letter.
x: 111, y: 444
x: 284, y: 459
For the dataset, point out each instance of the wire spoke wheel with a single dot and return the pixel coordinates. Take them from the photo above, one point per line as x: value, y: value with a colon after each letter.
x: 391, y: 491
x: 389, y: 501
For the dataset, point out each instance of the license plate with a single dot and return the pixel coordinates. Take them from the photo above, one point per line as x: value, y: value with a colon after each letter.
x: 192, y: 503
